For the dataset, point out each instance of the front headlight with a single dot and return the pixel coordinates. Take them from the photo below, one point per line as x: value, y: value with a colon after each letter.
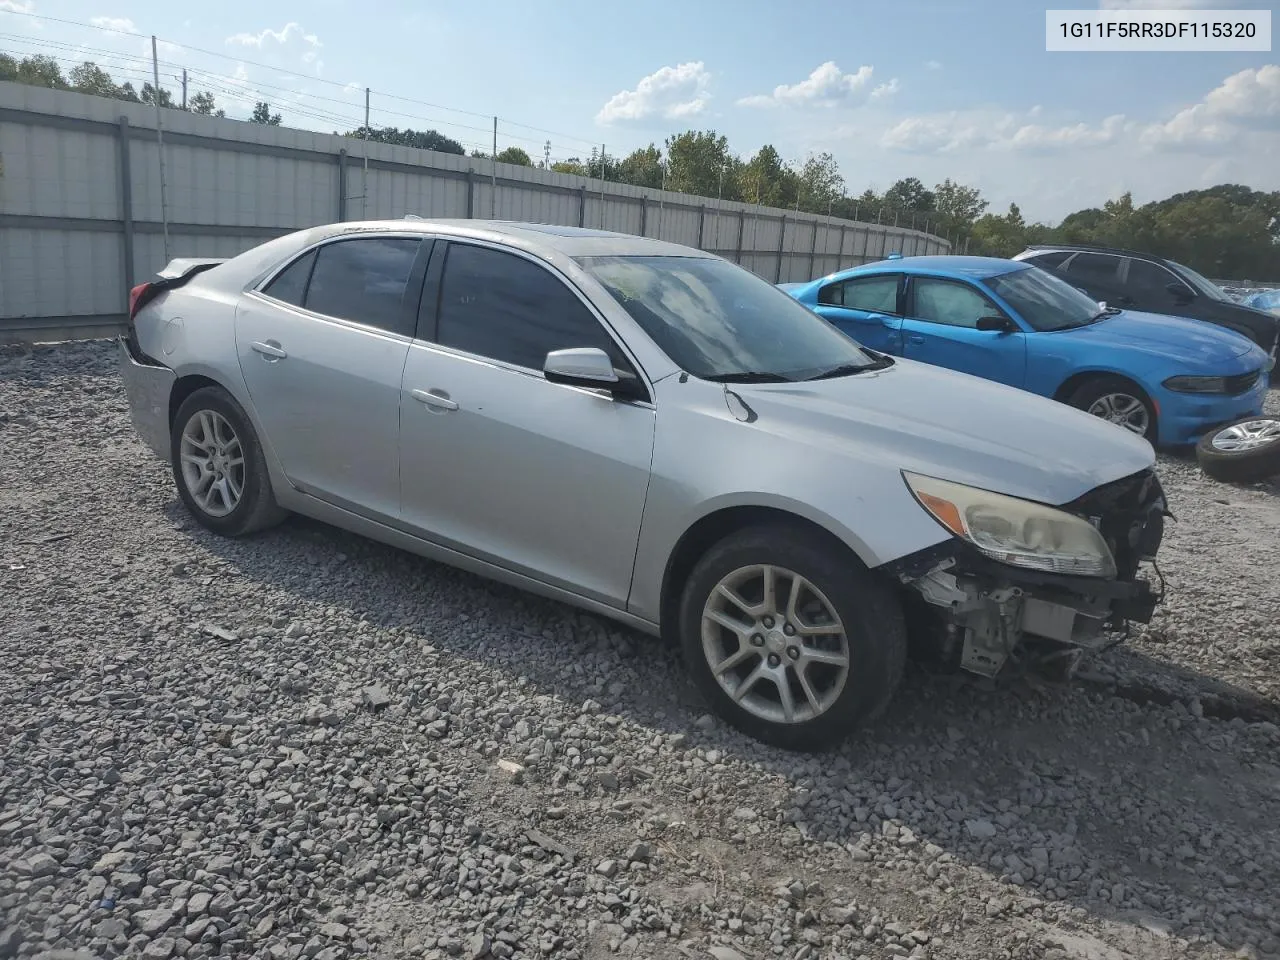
x: 1013, y: 531
x: 1197, y: 384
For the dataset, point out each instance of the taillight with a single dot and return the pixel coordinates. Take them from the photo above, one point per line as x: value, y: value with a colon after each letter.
x: 135, y: 297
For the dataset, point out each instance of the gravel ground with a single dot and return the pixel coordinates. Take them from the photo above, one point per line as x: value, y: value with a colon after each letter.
x: 310, y: 745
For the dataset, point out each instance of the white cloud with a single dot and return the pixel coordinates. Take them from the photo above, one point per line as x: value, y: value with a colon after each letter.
x: 669, y: 92
x: 885, y: 90
x: 284, y: 37
x: 120, y: 24
x: 827, y: 85
x: 17, y: 6
x: 1244, y: 100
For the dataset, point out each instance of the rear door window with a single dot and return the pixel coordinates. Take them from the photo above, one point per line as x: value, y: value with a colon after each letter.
x: 1094, y: 266
x: 366, y: 280
x: 878, y: 294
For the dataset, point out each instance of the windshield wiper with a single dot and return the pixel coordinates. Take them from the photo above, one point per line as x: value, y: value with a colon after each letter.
x: 749, y: 376
x: 849, y: 369
x: 1105, y: 312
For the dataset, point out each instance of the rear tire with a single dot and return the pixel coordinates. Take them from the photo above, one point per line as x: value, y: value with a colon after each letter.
x: 802, y: 669
x: 219, y: 467
x: 1244, y: 451
x: 1117, y: 401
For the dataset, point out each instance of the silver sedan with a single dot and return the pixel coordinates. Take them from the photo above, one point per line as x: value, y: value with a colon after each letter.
x: 653, y: 434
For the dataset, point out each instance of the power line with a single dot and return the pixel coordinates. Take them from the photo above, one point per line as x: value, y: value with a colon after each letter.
x: 304, y: 76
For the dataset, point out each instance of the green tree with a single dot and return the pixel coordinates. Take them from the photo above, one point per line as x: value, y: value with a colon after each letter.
x: 995, y: 236
x: 149, y: 96
x: 90, y: 78
x: 203, y: 104
x: 955, y: 208
x: 697, y: 162
x: 514, y: 155
x: 909, y: 196
x: 642, y: 167
x: 421, y: 139
x: 767, y: 180
x: 262, y: 114
x: 821, y: 184
x: 573, y: 165
x: 36, y: 71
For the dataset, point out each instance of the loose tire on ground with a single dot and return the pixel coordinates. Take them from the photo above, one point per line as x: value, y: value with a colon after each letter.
x: 1244, y: 451
x: 212, y: 438
x: 1096, y: 396
x: 862, y: 622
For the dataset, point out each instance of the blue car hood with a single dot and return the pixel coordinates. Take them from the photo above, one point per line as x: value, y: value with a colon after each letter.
x: 1190, y: 342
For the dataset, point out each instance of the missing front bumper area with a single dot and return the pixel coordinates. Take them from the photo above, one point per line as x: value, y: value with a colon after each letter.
x: 989, y: 612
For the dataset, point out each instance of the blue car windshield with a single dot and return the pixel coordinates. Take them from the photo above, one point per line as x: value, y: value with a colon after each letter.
x: 1043, y: 300
x: 718, y: 321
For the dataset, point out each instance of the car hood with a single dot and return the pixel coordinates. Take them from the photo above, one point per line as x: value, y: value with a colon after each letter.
x: 1191, y: 342
x: 949, y: 425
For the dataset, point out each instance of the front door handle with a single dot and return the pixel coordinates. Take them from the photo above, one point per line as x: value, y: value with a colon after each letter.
x: 270, y: 350
x: 885, y: 321
x: 916, y: 338
x: 434, y: 400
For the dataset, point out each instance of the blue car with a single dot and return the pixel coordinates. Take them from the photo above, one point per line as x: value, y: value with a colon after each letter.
x: 1166, y: 378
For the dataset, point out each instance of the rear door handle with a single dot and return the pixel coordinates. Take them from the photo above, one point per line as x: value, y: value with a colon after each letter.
x: 434, y: 400
x: 916, y: 338
x: 885, y: 321
x: 270, y: 350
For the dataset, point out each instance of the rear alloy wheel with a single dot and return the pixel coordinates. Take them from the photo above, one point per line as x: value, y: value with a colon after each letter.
x: 791, y: 640
x: 1117, y: 401
x: 1245, y: 451
x: 218, y: 465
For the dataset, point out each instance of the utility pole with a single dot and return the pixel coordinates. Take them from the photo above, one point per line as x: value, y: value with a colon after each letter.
x: 364, y: 176
x: 184, y: 88
x: 546, y: 155
x: 493, y: 175
x: 164, y: 200
x: 604, y: 173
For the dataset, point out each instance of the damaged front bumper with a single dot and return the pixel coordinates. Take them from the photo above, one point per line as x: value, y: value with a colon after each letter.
x: 989, y: 612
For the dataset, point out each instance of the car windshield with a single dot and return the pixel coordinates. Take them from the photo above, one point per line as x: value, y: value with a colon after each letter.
x: 1043, y: 300
x: 1202, y: 286
x: 718, y: 321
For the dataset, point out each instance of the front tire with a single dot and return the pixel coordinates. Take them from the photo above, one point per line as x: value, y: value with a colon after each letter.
x: 219, y: 467
x: 1117, y: 401
x: 790, y: 638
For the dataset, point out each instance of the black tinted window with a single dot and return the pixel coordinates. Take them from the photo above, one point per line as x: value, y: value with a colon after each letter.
x: 1148, y: 278
x: 290, y: 285
x: 364, y: 280
x: 1094, y: 266
x: 1050, y: 259
x: 504, y: 307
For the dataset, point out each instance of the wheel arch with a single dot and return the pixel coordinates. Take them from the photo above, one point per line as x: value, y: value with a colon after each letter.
x: 713, y: 527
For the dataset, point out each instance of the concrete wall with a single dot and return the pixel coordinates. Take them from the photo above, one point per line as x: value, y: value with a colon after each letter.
x: 80, y: 204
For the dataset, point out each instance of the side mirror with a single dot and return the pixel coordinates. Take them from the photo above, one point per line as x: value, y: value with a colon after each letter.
x: 1181, y: 292
x: 995, y: 324
x: 589, y: 367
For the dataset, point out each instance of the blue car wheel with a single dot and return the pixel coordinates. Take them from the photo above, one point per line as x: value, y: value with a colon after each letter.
x: 1117, y: 401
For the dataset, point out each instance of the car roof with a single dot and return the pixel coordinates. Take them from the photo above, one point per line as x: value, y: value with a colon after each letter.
x: 1094, y: 248
x: 535, y: 237
x: 976, y: 268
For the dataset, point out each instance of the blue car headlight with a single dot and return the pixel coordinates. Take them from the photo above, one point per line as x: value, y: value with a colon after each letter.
x: 1197, y: 384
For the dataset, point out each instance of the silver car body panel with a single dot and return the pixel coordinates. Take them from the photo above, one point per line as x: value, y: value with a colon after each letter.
x: 565, y: 491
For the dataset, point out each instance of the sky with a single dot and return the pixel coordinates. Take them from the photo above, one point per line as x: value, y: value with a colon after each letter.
x: 923, y: 88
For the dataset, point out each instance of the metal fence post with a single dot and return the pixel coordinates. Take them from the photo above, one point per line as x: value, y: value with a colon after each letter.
x: 742, y: 229
x: 782, y: 238
x: 813, y: 249
x: 844, y: 231
x: 582, y: 206
x: 471, y: 193
x: 342, y: 185
x: 126, y: 206
x: 702, y: 222
x: 644, y: 216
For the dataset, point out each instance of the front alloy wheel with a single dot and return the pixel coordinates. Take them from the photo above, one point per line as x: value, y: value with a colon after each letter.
x: 775, y: 644
x: 789, y: 637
